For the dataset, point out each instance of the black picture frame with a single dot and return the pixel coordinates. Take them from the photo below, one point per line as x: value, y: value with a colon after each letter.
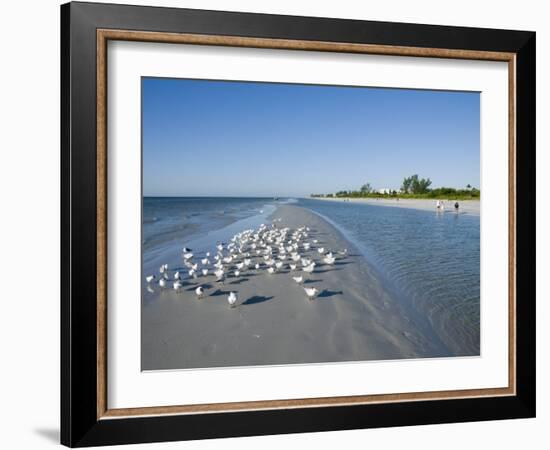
x: 80, y: 425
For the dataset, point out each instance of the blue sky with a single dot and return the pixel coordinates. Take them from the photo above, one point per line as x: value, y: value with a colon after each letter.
x: 219, y: 138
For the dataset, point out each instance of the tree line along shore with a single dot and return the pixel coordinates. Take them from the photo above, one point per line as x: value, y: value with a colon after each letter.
x: 412, y: 187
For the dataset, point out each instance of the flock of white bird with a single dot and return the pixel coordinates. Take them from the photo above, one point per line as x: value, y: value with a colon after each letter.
x: 269, y: 248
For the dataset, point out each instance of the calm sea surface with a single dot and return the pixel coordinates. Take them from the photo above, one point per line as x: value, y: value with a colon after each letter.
x: 429, y: 260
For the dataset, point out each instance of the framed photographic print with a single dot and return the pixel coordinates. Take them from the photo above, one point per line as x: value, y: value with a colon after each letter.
x: 276, y: 224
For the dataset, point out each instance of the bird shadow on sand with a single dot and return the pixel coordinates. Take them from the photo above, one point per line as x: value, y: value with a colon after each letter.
x: 312, y: 281
x: 218, y: 292
x: 204, y: 286
x: 327, y: 270
x: 239, y: 281
x: 256, y: 299
x: 327, y: 293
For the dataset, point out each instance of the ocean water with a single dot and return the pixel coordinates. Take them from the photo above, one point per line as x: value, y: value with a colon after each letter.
x: 429, y: 261
x: 177, y: 221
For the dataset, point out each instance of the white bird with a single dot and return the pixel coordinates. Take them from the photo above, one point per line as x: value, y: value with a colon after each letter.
x: 329, y: 259
x: 310, y: 268
x: 177, y: 285
x: 292, y: 266
x: 204, y: 272
x: 279, y: 265
x: 208, y: 254
x: 193, y: 273
x: 162, y: 283
x: 298, y: 279
x: 177, y: 276
x: 321, y: 250
x: 219, y: 274
x: 199, y: 291
x: 232, y: 299
x: 187, y: 256
x: 205, y: 261
x: 239, y: 265
x: 186, y: 250
x: 257, y: 266
x: 237, y: 273
x: 162, y: 269
x: 307, y: 245
x: 271, y: 270
x: 315, y: 241
x: 149, y: 278
x: 343, y: 252
x: 311, y: 292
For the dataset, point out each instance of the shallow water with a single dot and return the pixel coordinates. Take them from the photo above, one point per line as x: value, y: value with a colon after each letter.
x: 429, y: 260
x: 169, y: 223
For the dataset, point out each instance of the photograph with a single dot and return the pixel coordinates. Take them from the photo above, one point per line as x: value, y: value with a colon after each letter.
x: 307, y: 224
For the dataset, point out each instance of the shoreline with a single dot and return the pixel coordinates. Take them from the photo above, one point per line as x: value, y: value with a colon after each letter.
x: 354, y: 317
x: 466, y: 206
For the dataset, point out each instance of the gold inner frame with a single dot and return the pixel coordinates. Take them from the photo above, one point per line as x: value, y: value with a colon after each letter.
x: 104, y: 35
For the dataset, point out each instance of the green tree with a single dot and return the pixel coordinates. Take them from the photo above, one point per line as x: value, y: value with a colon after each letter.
x: 416, y: 185
x: 366, y: 188
x: 407, y: 183
x: 420, y: 186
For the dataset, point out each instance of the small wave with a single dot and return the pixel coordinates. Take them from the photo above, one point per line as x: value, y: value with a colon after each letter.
x: 287, y: 201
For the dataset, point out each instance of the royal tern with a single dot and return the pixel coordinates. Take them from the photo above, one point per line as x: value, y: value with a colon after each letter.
x: 232, y: 299
x: 311, y: 292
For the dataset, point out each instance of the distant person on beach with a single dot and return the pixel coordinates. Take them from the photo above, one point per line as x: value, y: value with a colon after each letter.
x: 456, y: 206
x: 438, y: 204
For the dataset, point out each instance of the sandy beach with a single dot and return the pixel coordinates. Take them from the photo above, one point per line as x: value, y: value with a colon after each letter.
x: 466, y: 206
x: 353, y: 318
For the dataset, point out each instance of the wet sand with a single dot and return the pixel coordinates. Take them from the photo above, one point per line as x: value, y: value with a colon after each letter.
x: 354, y: 318
x: 465, y: 206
